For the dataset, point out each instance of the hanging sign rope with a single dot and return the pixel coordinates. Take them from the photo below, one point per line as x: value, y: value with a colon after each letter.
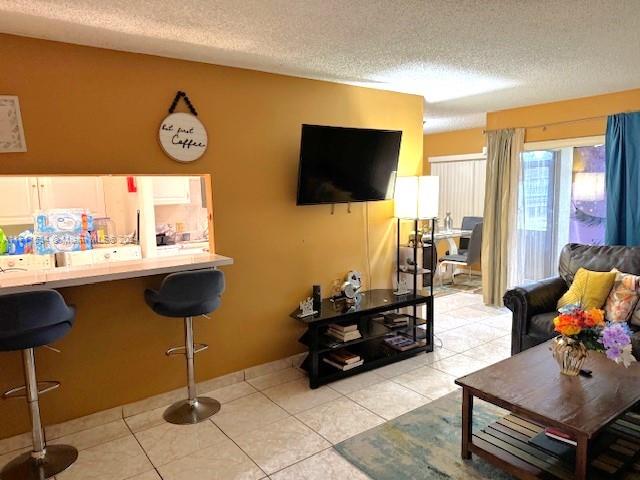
x: 182, y: 135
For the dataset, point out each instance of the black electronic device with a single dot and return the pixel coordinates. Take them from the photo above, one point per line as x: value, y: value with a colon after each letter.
x: 341, y: 165
x: 317, y: 297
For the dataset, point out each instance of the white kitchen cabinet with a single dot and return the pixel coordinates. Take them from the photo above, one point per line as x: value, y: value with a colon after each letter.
x: 20, y: 200
x: 171, y: 190
x: 72, y: 192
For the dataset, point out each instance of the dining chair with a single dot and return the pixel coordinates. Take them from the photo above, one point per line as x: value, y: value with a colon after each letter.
x: 467, y: 224
x: 467, y: 258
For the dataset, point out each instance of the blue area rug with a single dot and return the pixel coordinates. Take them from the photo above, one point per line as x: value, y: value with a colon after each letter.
x: 423, y: 444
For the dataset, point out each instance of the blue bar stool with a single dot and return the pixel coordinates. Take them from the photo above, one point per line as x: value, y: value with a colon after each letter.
x: 29, y: 320
x: 185, y: 295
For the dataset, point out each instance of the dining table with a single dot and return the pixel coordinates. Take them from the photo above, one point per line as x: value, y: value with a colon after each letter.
x: 450, y: 236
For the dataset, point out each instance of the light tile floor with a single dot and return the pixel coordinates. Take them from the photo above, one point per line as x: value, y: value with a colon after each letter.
x: 274, y: 426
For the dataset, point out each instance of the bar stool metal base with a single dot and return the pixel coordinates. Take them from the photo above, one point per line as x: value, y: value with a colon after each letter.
x: 185, y: 412
x: 57, y: 459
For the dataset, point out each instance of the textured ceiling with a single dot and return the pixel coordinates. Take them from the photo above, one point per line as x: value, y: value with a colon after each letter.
x: 466, y: 57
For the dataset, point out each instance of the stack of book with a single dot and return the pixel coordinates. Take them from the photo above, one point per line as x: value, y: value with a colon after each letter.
x: 557, y: 443
x: 560, y: 436
x: 344, y: 333
x: 396, y: 320
x: 343, y: 359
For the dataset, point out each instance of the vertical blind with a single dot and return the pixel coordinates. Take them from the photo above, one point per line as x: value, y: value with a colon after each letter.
x: 462, y: 186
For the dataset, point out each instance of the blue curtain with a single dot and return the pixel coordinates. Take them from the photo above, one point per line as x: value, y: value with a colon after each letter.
x: 623, y: 179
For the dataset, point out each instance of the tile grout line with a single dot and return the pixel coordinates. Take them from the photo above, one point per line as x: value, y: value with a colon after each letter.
x: 241, y: 449
x: 143, y: 450
x: 384, y: 420
x: 302, y: 460
x: 186, y: 455
x: 294, y: 416
x: 415, y: 391
x: 441, y: 371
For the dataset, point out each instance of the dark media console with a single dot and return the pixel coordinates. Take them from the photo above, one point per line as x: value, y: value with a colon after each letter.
x: 371, y: 347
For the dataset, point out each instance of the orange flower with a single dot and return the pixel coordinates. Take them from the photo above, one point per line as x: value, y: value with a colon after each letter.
x: 567, y: 325
x: 594, y: 317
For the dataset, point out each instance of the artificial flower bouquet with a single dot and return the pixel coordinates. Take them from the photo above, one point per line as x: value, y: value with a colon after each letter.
x: 588, y: 328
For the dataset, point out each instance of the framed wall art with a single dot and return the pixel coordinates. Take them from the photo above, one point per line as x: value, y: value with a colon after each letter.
x: 11, y: 131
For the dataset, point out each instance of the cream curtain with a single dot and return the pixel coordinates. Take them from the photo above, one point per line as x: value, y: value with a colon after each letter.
x: 461, y: 188
x: 504, y: 148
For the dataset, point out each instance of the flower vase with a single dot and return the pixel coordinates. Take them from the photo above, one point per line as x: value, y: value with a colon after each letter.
x: 570, y: 354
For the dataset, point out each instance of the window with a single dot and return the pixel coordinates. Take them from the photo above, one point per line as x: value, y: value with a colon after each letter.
x: 536, y: 214
x: 536, y: 190
x: 561, y: 199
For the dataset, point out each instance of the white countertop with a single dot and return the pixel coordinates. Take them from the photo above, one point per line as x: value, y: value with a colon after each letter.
x: 61, y: 277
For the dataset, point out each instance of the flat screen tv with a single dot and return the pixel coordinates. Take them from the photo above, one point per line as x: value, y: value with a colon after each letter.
x: 340, y: 165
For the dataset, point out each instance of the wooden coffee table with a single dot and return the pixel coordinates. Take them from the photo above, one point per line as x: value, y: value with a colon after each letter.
x: 531, y: 386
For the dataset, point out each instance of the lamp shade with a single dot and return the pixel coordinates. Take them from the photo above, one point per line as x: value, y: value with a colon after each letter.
x: 588, y: 186
x: 416, y: 197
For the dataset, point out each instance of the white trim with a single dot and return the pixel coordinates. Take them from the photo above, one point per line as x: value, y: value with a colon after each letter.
x: 565, y: 142
x: 458, y: 158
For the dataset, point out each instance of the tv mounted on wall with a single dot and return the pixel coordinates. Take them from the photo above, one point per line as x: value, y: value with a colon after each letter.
x: 340, y: 165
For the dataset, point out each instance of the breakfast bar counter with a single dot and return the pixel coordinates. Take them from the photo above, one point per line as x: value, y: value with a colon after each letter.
x: 61, y: 277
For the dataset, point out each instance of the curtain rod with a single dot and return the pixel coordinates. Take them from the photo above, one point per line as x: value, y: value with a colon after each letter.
x: 564, y: 122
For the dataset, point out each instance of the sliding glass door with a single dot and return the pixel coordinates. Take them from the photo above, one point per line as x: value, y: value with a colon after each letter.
x: 561, y: 199
x: 536, y: 215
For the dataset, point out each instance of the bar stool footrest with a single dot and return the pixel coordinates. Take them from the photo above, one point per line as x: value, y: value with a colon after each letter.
x: 198, y: 347
x: 43, y: 387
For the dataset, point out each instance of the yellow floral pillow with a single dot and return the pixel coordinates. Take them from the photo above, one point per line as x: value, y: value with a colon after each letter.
x: 589, y: 289
x: 623, y: 297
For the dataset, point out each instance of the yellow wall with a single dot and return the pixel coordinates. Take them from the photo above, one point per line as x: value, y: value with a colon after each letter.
x: 456, y: 142
x: 571, y: 111
x: 88, y: 110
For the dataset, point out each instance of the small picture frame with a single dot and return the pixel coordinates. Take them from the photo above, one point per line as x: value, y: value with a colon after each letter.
x: 306, y: 308
x: 11, y: 130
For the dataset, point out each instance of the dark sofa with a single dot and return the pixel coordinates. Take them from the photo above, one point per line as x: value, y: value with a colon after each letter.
x: 534, y: 305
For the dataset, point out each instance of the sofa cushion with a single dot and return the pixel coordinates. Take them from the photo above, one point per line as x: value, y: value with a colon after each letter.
x: 589, y: 289
x: 598, y: 258
x: 542, y: 325
x: 623, y: 298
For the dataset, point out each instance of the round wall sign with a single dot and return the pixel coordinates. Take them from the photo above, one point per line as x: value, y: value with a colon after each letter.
x: 183, y: 137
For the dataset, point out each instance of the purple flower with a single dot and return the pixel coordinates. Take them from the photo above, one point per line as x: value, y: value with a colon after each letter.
x: 616, y: 339
x: 614, y: 353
